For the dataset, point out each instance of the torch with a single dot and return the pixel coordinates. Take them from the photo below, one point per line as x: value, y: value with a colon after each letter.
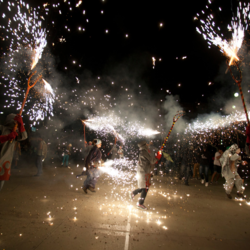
x: 175, y: 119
x: 29, y: 86
x: 238, y: 81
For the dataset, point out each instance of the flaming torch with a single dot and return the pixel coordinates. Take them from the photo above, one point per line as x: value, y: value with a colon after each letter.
x: 238, y: 81
x: 238, y: 24
x: 29, y: 86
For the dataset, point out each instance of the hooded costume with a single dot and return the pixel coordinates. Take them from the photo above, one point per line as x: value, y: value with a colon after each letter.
x: 229, y: 169
x: 145, y: 162
x: 7, y: 149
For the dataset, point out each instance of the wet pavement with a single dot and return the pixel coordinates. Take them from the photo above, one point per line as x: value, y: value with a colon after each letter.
x: 52, y: 212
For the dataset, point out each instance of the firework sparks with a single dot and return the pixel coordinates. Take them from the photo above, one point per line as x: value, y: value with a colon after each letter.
x: 25, y: 33
x: 79, y: 3
x: 48, y: 88
x: 238, y: 26
x: 147, y: 132
x: 215, y: 123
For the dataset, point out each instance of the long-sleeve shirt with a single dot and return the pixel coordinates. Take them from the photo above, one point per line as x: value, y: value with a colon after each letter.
x: 205, y: 157
x: 94, y: 157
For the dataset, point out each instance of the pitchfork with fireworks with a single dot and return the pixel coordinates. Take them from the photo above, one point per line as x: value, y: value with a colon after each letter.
x: 238, y: 25
x: 175, y: 119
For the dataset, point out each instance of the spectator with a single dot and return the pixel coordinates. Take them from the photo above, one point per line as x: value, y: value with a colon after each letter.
x: 205, y: 158
x: 41, y: 155
x: 217, y: 165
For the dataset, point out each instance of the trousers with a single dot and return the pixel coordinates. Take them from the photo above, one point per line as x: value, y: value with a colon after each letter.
x: 92, y: 177
x: 230, y: 182
x: 39, y: 164
x: 66, y: 160
x: 185, y: 170
x: 204, y: 170
x: 143, y: 192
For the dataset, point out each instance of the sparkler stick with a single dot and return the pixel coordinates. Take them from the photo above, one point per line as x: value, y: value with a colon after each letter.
x: 28, y: 89
x: 239, y: 85
x: 26, y: 95
x: 175, y: 119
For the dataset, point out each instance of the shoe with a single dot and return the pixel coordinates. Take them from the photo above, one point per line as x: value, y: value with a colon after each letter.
x: 210, y: 183
x: 85, y: 190
x: 36, y: 175
x: 62, y: 164
x: 202, y: 181
x: 241, y: 195
x: 229, y: 196
x: 131, y: 196
x: 91, y: 189
x: 142, y: 207
x: 186, y: 184
x: 206, y: 184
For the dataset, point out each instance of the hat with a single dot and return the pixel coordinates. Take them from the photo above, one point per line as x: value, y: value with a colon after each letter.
x: 98, y: 141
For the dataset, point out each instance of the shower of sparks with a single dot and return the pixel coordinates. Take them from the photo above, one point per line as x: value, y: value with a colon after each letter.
x: 48, y: 88
x: 114, y: 169
x: 215, y: 123
x: 212, y: 33
x: 79, y: 3
x: 147, y: 132
x: 112, y: 124
x: 27, y: 40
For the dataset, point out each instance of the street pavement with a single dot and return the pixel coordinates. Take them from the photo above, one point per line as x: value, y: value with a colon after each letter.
x: 52, y: 212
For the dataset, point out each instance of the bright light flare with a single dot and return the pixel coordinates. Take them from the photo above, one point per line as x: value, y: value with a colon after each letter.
x: 48, y: 88
x: 79, y: 3
x: 239, y: 25
x: 148, y: 132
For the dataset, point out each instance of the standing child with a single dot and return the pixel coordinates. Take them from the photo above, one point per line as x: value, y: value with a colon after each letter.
x: 66, y: 155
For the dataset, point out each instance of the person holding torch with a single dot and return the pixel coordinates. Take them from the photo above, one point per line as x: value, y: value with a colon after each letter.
x: 13, y: 128
x: 145, y: 163
x: 93, y: 161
